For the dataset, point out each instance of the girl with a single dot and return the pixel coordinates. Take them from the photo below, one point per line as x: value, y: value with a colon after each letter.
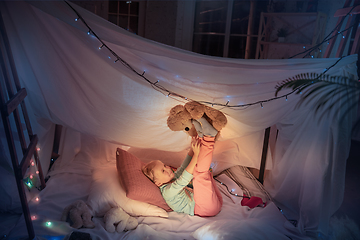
x: 205, y: 198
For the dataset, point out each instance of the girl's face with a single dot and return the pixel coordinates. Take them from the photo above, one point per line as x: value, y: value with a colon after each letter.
x: 162, y: 173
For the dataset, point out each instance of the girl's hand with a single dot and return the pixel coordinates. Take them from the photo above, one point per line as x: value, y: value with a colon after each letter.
x: 195, y: 145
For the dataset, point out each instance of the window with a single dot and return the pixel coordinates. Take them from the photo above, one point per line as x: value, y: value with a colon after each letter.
x: 221, y: 27
x: 125, y: 14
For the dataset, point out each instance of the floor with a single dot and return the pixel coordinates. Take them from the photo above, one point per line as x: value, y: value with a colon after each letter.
x: 351, y: 204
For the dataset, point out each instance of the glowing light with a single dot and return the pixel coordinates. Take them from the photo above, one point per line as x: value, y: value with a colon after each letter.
x: 76, y: 19
x: 232, y: 190
x: 37, y: 172
x: 38, y: 149
x: 88, y: 32
x: 304, y: 47
x: 28, y: 182
x: 31, y: 176
x: 32, y: 163
x: 48, y: 224
x: 33, y: 217
x: 37, y: 199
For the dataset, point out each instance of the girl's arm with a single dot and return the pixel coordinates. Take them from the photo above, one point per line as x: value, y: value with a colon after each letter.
x: 196, y: 149
x: 186, y: 161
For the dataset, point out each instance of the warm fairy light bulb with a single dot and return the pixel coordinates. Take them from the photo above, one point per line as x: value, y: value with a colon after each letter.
x: 33, y: 217
x: 38, y: 149
x: 37, y: 172
x: 31, y: 176
x: 32, y: 163
x: 37, y: 199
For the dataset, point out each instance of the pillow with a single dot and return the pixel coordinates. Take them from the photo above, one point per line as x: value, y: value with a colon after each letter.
x: 243, y: 181
x: 106, y: 192
x: 136, y: 185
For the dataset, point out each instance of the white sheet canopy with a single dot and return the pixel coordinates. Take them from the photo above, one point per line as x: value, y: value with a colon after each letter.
x: 70, y: 81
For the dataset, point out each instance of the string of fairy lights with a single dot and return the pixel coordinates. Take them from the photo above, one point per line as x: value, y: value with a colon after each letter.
x: 168, y: 93
x: 328, y: 37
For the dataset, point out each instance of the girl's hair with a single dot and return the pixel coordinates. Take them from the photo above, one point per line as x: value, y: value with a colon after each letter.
x: 149, y: 173
x: 148, y: 170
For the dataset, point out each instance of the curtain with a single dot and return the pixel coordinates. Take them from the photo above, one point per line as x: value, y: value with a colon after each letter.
x: 73, y: 81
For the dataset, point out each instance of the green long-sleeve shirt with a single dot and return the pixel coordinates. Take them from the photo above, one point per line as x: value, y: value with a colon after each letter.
x: 174, y: 192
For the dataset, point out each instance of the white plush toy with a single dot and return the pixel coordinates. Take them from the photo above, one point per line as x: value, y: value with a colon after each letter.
x: 79, y: 213
x: 116, y: 217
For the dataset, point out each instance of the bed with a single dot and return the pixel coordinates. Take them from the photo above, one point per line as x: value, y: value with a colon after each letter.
x: 71, y: 179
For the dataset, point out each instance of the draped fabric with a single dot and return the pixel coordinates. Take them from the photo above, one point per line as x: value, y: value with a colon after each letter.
x: 70, y: 81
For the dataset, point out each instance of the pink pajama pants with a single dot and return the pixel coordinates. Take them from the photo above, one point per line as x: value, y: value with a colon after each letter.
x: 208, y: 199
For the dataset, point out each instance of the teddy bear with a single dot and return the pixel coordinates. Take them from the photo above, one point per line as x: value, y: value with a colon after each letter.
x: 79, y: 213
x: 182, y: 117
x: 117, y: 218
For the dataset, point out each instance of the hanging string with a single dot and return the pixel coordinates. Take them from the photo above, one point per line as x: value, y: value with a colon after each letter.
x: 158, y: 87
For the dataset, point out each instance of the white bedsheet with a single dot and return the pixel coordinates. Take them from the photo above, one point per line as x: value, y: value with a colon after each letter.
x: 71, y: 181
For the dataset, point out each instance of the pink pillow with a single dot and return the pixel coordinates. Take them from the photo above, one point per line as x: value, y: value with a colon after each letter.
x: 136, y: 185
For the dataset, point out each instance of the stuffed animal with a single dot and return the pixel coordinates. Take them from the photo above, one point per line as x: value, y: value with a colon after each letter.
x: 180, y: 117
x: 79, y: 213
x: 116, y: 217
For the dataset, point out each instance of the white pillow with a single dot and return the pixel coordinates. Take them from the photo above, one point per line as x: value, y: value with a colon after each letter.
x: 106, y: 192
